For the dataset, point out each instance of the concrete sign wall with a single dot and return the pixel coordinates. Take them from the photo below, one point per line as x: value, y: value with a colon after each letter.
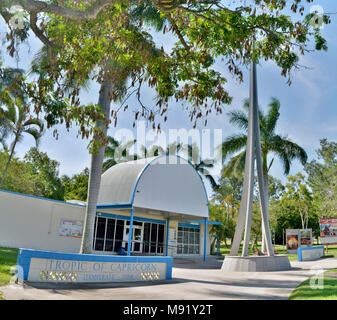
x: 44, y: 266
x: 312, y: 253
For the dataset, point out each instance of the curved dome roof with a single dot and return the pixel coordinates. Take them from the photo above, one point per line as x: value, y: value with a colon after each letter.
x: 166, y: 183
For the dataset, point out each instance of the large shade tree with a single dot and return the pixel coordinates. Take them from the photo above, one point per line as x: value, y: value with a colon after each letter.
x: 85, y: 35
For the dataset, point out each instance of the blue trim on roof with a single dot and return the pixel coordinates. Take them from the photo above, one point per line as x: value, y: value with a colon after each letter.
x: 41, y: 198
x: 116, y: 216
x: 208, y: 222
x: 25, y: 256
x: 115, y: 206
x: 188, y: 225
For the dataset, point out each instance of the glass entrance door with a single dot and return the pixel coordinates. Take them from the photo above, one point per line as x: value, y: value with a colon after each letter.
x: 137, y: 238
x: 137, y: 244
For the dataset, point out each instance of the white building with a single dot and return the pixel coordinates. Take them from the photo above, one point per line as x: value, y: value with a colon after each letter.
x: 163, y: 198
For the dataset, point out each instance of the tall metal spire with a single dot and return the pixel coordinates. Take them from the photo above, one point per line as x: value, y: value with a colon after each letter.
x: 253, y: 152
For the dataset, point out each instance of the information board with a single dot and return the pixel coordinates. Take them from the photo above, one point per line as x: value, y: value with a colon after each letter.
x: 328, y: 230
x: 292, y: 238
x: 71, y: 228
x: 298, y: 238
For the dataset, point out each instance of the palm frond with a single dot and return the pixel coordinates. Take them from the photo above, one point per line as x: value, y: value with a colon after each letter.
x: 235, y: 166
x: 34, y: 121
x: 108, y: 164
x: 8, y: 75
x: 287, y: 151
x: 239, y: 119
x: 233, y: 144
x: 272, y: 115
x: 35, y: 133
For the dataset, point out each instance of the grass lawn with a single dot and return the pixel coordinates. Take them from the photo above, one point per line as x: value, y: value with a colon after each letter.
x: 326, y: 292
x: 7, y: 260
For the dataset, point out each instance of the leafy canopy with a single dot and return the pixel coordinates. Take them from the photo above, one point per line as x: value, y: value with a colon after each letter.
x: 85, y: 39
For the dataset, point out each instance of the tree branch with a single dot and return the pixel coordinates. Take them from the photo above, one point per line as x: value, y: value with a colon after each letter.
x: 79, y: 15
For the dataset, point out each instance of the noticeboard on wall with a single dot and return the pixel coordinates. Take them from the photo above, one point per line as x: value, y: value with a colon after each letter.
x: 298, y: 238
x: 328, y: 230
x: 71, y: 228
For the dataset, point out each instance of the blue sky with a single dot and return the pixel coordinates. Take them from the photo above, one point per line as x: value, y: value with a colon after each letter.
x: 308, y: 107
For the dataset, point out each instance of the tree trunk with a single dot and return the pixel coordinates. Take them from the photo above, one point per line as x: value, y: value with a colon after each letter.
x: 225, y: 241
x: 213, y: 246
x: 254, y: 244
x: 95, y: 173
x: 9, y: 160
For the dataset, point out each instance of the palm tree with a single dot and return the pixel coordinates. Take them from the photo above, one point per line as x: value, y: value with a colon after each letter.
x: 271, y: 143
x: 7, y: 78
x: 18, y: 122
x: 116, y: 152
x: 201, y: 165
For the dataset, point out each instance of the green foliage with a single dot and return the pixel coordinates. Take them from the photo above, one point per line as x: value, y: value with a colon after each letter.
x: 76, y: 187
x: 225, y: 230
x: 16, y: 119
x: 19, y: 177
x: 45, y: 174
x: 38, y: 175
x: 116, y: 44
x: 295, y: 210
x: 322, y: 179
x: 8, y: 257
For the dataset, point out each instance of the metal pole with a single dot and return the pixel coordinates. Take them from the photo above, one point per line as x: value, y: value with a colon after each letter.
x: 205, y: 239
x: 167, y: 233
x: 130, y: 233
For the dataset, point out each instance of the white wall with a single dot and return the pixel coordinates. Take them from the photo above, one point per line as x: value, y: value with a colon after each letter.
x: 33, y: 223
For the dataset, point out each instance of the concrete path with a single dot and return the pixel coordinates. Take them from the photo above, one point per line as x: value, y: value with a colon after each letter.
x: 192, y: 279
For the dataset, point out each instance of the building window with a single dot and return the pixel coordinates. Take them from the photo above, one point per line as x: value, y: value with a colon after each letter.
x: 188, y: 240
x: 112, y: 234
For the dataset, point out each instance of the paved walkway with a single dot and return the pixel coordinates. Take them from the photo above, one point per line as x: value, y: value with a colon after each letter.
x: 192, y: 279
